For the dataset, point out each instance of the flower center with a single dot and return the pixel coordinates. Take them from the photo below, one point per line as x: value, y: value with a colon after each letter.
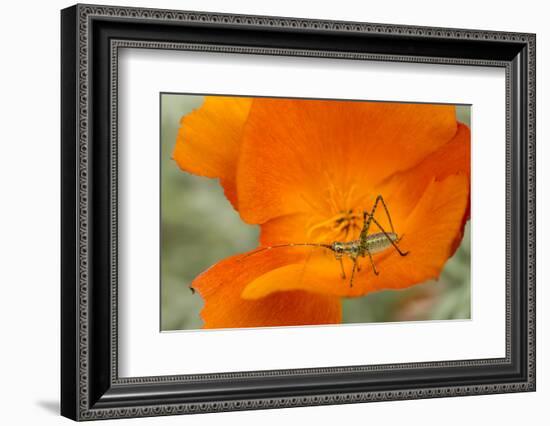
x: 344, y: 226
x: 344, y: 222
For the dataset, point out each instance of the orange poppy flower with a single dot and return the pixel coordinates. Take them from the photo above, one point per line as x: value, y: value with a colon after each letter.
x: 305, y: 171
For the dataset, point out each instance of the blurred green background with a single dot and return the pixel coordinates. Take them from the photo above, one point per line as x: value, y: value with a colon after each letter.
x: 199, y: 227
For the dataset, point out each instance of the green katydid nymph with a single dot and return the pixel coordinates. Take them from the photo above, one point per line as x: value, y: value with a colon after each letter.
x: 365, y: 245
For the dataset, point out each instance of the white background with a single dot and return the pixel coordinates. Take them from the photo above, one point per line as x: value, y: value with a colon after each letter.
x: 146, y: 352
x: 29, y: 225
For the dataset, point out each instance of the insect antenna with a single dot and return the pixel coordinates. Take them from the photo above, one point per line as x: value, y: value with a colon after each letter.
x: 306, y: 262
x: 261, y: 249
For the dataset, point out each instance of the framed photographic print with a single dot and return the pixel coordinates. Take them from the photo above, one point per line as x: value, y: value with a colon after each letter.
x: 263, y: 212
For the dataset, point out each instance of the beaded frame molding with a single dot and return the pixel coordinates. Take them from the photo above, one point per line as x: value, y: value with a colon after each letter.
x: 91, y: 37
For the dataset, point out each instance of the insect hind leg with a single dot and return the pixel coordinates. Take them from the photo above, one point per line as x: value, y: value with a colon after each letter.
x: 367, y: 216
x: 354, y: 259
x: 394, y: 244
x: 372, y: 263
x: 381, y: 200
x: 343, y: 274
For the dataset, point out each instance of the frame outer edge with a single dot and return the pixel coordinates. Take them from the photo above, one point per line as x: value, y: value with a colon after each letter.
x: 80, y: 340
x: 531, y: 200
x: 69, y: 189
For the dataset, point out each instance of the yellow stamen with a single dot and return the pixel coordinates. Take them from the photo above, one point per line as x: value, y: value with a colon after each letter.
x: 337, y: 227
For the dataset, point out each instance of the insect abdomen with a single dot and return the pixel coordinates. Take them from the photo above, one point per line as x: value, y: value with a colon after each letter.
x: 380, y: 241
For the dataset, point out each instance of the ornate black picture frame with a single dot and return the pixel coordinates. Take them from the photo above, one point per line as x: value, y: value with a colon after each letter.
x: 91, y: 36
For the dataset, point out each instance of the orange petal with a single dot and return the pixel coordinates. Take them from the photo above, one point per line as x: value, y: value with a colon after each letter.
x: 296, y: 154
x: 209, y: 138
x: 221, y: 287
x: 290, y: 228
x: 429, y: 233
x: 432, y: 227
x: 402, y: 190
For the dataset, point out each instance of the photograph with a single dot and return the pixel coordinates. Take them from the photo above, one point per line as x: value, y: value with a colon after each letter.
x: 305, y: 212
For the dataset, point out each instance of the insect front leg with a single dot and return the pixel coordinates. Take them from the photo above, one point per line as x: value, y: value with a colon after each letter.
x: 339, y: 258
